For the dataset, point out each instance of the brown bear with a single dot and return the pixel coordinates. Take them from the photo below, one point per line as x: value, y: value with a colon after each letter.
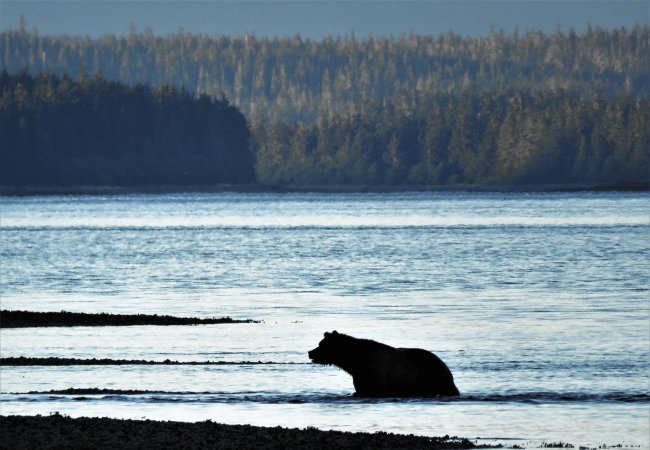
x: 379, y: 370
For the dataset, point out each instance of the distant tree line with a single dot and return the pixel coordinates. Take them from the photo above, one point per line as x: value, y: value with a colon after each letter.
x: 299, y: 80
x: 59, y: 132
x: 426, y: 110
x: 512, y: 138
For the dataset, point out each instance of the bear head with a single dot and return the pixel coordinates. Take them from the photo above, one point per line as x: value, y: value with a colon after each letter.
x: 328, y: 349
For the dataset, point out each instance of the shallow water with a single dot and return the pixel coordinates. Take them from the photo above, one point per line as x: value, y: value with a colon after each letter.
x: 539, y: 304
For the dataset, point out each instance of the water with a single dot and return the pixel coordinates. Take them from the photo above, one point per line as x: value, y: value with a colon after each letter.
x: 539, y: 304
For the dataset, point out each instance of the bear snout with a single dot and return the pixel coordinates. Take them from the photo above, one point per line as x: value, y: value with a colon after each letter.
x: 313, y: 354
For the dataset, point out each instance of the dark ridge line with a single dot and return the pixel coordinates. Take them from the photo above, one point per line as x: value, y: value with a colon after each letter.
x: 54, y: 361
x: 24, y: 319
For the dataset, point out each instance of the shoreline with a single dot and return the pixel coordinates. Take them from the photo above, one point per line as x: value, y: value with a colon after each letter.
x: 31, y: 191
x: 58, y: 431
x: 30, y: 319
x: 21, y: 361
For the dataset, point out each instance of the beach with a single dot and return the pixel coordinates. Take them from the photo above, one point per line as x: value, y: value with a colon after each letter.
x: 58, y: 431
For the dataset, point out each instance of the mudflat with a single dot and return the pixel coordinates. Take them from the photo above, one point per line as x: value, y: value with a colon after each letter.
x: 57, y: 431
x: 24, y: 319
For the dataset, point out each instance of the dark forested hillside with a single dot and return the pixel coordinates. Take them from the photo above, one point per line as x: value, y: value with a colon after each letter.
x: 513, y: 138
x: 425, y: 110
x: 59, y: 132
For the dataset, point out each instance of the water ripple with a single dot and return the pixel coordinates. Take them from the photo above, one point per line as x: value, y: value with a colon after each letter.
x: 267, y: 397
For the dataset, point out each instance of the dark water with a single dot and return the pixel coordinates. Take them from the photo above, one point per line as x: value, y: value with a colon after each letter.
x: 538, y: 303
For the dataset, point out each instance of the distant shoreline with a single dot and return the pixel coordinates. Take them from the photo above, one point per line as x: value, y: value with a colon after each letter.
x: 27, y: 191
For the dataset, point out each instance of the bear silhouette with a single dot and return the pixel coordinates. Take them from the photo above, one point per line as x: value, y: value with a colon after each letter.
x: 379, y: 370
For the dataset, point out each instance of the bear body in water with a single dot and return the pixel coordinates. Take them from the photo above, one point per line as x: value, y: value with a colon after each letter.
x: 379, y: 370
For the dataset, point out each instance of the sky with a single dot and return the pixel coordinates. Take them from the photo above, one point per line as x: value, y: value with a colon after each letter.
x: 317, y: 19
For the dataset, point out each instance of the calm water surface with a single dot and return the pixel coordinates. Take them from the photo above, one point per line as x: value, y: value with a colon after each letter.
x: 539, y: 304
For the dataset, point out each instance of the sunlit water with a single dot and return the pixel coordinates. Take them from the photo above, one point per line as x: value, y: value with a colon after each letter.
x: 539, y: 304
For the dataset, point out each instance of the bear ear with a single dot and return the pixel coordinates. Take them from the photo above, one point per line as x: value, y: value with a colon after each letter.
x: 327, y: 334
x: 335, y: 333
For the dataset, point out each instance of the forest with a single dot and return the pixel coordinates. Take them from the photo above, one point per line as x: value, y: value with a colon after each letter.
x: 517, y: 137
x: 92, y: 132
x: 518, y: 108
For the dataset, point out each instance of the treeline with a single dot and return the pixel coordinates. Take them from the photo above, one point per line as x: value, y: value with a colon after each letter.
x: 300, y: 80
x: 517, y: 137
x: 60, y: 132
x: 419, y: 110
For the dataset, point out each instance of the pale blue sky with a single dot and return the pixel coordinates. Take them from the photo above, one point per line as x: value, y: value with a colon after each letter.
x: 316, y: 19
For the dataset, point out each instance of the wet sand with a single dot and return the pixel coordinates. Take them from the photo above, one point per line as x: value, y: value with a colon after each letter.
x: 57, y: 431
x: 24, y: 319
